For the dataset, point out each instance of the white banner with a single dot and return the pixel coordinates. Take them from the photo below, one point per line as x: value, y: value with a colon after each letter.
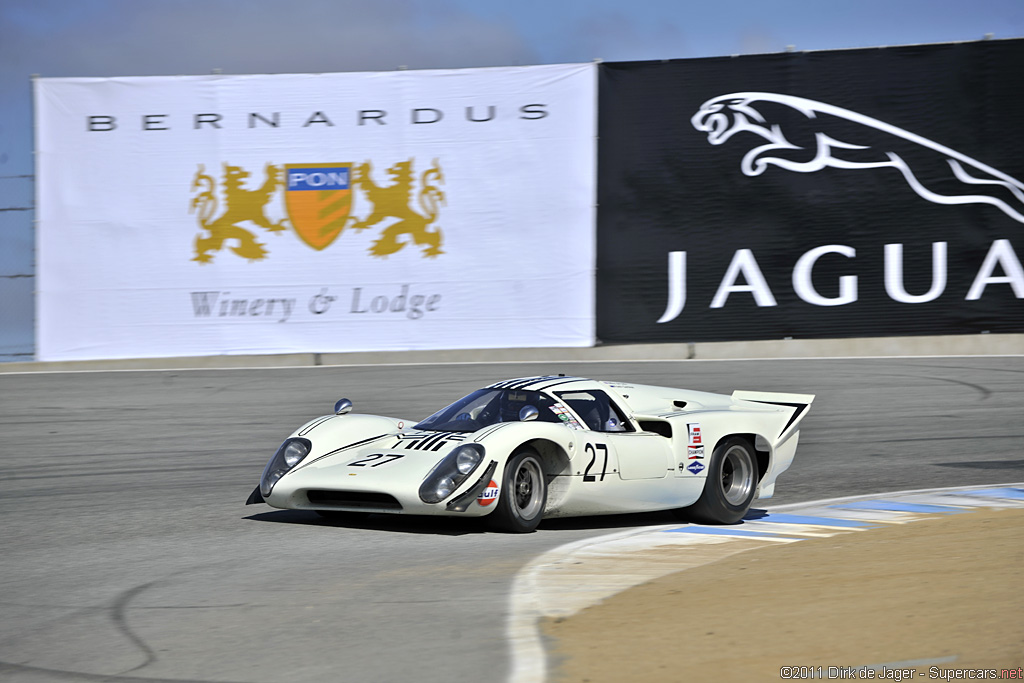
x: 200, y: 215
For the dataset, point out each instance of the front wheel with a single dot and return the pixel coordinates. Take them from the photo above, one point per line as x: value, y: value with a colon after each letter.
x: 524, y: 493
x: 730, y: 486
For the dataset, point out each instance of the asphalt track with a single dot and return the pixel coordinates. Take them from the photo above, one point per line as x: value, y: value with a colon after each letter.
x: 128, y: 555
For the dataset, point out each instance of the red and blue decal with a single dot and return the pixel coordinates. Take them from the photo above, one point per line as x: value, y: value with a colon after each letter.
x: 488, y: 495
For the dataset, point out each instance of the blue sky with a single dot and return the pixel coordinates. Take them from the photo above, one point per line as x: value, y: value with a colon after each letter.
x: 158, y: 37
x: 161, y: 37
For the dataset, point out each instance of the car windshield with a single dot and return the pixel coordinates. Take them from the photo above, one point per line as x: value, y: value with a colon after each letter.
x: 489, y: 406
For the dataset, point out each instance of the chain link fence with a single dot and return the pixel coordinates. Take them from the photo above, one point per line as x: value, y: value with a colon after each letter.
x: 17, y: 268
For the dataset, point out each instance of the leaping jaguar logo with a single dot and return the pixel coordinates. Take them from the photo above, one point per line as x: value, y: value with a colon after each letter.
x: 971, y: 181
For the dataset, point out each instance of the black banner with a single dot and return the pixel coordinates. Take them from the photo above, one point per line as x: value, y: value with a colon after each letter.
x: 827, y: 194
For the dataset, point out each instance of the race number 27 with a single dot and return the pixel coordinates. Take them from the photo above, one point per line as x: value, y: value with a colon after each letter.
x: 592, y: 449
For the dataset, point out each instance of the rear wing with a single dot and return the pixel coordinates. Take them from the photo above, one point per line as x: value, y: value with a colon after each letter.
x: 797, y: 403
x: 774, y: 397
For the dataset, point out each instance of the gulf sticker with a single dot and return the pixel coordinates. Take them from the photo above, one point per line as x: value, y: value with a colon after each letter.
x: 488, y: 495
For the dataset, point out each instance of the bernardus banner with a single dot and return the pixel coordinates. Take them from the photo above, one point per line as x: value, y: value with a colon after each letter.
x: 316, y: 212
x: 826, y: 194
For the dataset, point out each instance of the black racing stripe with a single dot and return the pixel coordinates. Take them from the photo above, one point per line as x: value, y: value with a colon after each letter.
x: 313, y: 425
x: 485, y: 432
x: 491, y: 430
x: 439, y: 445
x: 425, y: 444
x: 409, y: 440
x: 355, y: 444
x: 339, y: 450
x: 561, y: 382
x: 523, y: 383
x: 800, y: 408
x: 557, y: 379
x: 417, y: 442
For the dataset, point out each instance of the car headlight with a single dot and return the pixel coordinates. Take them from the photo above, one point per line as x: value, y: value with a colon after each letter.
x: 288, y: 456
x: 293, y: 452
x: 444, y: 488
x: 448, y: 474
x: 467, y: 458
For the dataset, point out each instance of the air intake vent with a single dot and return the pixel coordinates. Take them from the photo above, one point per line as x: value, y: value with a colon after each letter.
x: 354, y: 500
x: 657, y: 426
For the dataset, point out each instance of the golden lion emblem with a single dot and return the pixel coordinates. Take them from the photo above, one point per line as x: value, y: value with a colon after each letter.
x: 394, y: 202
x: 241, y: 205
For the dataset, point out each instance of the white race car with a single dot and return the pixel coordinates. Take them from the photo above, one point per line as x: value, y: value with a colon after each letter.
x: 524, y: 449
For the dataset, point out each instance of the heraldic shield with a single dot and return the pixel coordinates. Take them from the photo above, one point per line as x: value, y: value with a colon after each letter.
x: 318, y: 198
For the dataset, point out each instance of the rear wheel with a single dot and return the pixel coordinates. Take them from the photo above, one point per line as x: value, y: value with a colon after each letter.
x: 524, y: 493
x: 730, y: 486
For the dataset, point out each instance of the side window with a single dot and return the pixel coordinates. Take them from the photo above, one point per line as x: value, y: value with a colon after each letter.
x: 596, y: 410
x: 618, y: 421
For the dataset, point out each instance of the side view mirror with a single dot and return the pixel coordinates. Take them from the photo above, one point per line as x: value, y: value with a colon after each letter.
x: 342, y: 407
x: 528, y: 413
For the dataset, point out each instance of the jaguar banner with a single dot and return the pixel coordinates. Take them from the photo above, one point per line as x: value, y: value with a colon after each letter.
x: 826, y: 194
x: 198, y: 215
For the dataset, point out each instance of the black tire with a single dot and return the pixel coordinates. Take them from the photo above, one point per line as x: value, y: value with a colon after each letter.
x: 524, y: 492
x: 730, y: 486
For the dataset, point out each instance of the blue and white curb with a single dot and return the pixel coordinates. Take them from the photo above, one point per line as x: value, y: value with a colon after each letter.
x: 565, y: 580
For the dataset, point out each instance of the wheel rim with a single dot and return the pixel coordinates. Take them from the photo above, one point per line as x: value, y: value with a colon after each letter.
x: 737, y: 475
x: 526, y: 488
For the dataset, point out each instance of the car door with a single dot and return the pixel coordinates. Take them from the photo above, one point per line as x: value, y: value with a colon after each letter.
x: 642, y: 455
x: 614, y: 439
